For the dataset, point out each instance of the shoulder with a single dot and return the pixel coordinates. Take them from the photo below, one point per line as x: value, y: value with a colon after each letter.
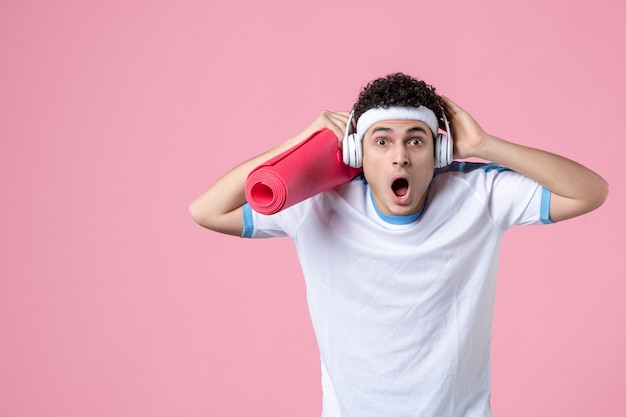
x: 477, y: 175
x: 346, y: 196
x: 486, y: 181
x: 471, y: 168
x: 351, y: 189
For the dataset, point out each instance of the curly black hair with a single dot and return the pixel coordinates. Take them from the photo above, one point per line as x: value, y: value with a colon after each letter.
x: 397, y: 90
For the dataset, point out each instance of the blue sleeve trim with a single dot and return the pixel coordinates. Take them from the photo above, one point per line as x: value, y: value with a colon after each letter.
x: 248, y: 223
x: 467, y: 167
x: 544, y: 214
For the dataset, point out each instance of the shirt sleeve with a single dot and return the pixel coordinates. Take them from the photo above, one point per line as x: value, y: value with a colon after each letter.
x: 515, y: 199
x: 257, y: 225
x: 509, y: 197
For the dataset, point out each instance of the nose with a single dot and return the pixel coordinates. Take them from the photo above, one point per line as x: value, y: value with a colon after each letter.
x: 400, y: 157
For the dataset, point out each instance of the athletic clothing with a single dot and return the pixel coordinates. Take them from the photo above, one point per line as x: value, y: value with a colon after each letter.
x: 402, y: 305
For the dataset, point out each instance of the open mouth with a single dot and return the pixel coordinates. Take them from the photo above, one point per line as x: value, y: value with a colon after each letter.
x: 400, y: 187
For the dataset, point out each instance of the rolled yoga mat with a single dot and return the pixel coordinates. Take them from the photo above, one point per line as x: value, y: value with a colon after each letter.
x: 311, y: 167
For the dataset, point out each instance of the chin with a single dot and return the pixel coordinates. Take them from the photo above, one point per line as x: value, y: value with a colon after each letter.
x: 405, y: 212
x: 402, y: 210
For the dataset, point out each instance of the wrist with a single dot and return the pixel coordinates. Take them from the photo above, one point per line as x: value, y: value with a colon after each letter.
x: 487, y: 147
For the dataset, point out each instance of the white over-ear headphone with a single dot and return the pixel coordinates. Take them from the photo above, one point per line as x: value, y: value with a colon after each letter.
x: 352, y: 142
x: 443, y: 145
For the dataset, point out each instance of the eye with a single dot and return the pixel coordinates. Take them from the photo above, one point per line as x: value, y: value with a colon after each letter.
x: 381, y: 141
x: 416, y: 141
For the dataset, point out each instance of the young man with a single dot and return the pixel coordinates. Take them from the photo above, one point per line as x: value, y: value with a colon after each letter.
x: 400, y: 264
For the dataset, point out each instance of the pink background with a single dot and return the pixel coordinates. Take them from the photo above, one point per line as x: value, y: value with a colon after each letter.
x: 115, y: 115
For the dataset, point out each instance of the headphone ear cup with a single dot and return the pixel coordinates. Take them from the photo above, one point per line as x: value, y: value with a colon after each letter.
x: 444, y: 154
x: 438, y: 146
x: 443, y: 151
x: 352, y: 151
x: 348, y: 150
x: 345, y: 148
x: 447, y: 155
x: 358, y: 153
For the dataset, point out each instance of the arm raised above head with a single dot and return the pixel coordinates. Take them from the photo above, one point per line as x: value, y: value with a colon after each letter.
x: 219, y: 208
x: 575, y: 189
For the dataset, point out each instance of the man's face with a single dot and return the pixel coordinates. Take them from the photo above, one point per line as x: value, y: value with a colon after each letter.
x: 398, y: 163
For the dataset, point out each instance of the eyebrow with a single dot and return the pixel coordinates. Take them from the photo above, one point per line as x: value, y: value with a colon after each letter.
x: 409, y: 130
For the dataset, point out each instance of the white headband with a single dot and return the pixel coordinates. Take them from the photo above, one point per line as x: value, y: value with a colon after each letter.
x: 378, y: 114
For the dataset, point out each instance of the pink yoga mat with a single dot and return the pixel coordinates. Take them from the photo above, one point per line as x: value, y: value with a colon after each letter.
x: 312, y: 166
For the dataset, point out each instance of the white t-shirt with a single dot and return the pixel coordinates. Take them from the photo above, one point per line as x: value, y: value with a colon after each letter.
x: 402, y: 305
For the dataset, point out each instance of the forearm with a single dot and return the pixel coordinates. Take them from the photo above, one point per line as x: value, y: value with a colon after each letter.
x: 575, y: 189
x: 218, y: 208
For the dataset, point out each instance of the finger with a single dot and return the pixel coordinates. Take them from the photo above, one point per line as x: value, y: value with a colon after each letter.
x: 337, y: 123
x: 450, y: 106
x: 335, y: 118
x: 338, y: 117
x: 343, y: 114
